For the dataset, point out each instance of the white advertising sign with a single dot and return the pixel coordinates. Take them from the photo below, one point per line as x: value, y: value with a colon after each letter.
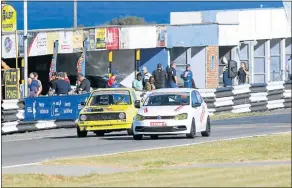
x: 8, y: 46
x: 38, y: 45
x: 65, y: 42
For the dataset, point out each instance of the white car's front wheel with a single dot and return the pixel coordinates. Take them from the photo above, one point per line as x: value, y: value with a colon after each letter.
x: 192, y: 133
x: 207, y: 132
x: 138, y: 137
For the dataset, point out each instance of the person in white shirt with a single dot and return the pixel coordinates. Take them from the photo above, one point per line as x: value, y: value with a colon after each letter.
x: 146, y: 75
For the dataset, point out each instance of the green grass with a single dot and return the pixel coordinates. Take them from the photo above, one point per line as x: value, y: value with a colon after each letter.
x: 269, y: 176
x: 223, y: 116
x: 273, y: 147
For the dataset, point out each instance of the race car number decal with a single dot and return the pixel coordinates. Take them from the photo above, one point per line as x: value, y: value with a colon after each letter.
x: 202, y: 114
x: 180, y: 107
x: 157, y: 123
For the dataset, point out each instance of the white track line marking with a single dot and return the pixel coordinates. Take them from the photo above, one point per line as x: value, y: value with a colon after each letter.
x: 35, y: 138
x: 21, y: 165
x: 148, y: 149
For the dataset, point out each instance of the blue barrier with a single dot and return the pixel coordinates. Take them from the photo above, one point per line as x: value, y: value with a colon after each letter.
x: 54, y: 107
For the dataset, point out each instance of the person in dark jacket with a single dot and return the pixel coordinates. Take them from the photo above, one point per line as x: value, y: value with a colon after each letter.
x: 159, y: 76
x: 61, y: 86
x: 84, y: 86
x: 171, y: 76
x: 226, y: 80
x: 242, y: 74
x: 187, y: 76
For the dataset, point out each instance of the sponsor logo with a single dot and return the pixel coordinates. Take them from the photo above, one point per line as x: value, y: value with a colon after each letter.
x: 7, y: 44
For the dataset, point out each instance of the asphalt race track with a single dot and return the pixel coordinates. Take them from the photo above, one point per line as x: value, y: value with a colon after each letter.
x: 34, y: 147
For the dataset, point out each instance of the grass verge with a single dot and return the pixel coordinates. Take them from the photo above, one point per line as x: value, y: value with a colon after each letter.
x: 269, y: 176
x: 273, y: 147
x: 223, y: 116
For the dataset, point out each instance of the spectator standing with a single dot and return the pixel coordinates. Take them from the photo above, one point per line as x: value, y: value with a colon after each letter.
x: 61, y: 86
x: 146, y: 75
x: 40, y: 86
x: 66, y: 77
x: 242, y: 74
x: 159, y: 76
x: 112, y: 83
x: 289, y: 68
x: 150, y: 84
x: 187, y: 76
x: 137, y: 83
x: 171, y: 76
x: 226, y: 80
x: 33, y: 87
x: 84, y: 84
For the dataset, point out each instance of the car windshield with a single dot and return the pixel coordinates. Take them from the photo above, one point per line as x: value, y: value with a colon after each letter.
x: 168, y: 99
x: 110, y: 98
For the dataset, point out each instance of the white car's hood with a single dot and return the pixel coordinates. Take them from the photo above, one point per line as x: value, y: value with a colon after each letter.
x: 163, y: 110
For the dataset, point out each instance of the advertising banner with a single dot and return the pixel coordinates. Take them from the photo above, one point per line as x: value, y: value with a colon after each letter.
x: 91, y: 38
x: 8, y: 46
x: 100, y: 38
x: 9, y: 18
x: 20, y: 45
x: 53, y: 66
x: 142, y: 37
x: 54, y: 107
x: 77, y: 40
x: 65, y: 42
x: 112, y: 35
x: 124, y: 38
x: 51, y: 38
x: 82, y: 59
x: 37, y: 43
x: 161, y: 35
x: 11, y: 84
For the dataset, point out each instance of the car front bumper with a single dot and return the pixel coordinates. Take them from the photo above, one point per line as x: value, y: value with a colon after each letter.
x: 170, y: 127
x: 103, y: 125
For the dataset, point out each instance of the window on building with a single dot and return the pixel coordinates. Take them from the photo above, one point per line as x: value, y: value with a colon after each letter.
x: 259, y: 62
x: 275, y: 60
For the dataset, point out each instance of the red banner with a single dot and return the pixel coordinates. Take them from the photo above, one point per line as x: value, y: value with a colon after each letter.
x: 112, y: 35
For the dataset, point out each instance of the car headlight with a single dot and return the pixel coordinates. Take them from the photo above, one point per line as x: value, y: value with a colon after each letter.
x: 139, y: 117
x: 83, y: 117
x: 181, y: 116
x: 122, y: 115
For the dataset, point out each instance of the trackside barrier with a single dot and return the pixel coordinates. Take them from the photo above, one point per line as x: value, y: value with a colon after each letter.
x: 248, y: 98
x: 33, y: 114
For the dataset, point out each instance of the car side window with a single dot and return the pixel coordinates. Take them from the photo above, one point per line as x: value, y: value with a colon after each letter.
x: 194, y: 98
x: 200, y: 100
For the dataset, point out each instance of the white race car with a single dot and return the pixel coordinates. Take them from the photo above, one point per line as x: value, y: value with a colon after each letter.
x: 172, y: 111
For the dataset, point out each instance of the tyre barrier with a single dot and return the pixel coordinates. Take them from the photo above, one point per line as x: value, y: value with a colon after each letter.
x: 12, y: 110
x: 248, y: 97
x: 236, y: 99
x: 22, y: 126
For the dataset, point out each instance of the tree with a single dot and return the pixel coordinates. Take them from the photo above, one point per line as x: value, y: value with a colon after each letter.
x: 128, y: 20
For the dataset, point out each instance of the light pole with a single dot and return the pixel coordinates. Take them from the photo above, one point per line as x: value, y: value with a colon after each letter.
x: 75, y: 13
x: 25, y: 48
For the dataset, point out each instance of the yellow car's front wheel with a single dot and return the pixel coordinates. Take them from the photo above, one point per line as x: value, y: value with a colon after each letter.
x: 81, y: 133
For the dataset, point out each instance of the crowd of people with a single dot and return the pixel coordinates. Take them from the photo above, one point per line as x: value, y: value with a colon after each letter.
x: 59, y: 84
x: 144, y: 81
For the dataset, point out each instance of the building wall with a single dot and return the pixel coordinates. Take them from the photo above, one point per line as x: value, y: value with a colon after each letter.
x: 192, y: 35
x: 151, y: 57
x: 253, y: 24
x: 212, y: 67
x: 198, y: 66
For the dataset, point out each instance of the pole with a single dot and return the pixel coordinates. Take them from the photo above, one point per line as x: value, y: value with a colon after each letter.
x: 25, y: 48
x: 75, y: 13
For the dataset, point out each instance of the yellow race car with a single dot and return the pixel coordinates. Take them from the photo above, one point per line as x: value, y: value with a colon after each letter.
x: 108, y: 110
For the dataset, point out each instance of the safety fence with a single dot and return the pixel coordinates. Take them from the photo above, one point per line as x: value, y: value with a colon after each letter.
x: 248, y: 98
x: 32, y: 114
